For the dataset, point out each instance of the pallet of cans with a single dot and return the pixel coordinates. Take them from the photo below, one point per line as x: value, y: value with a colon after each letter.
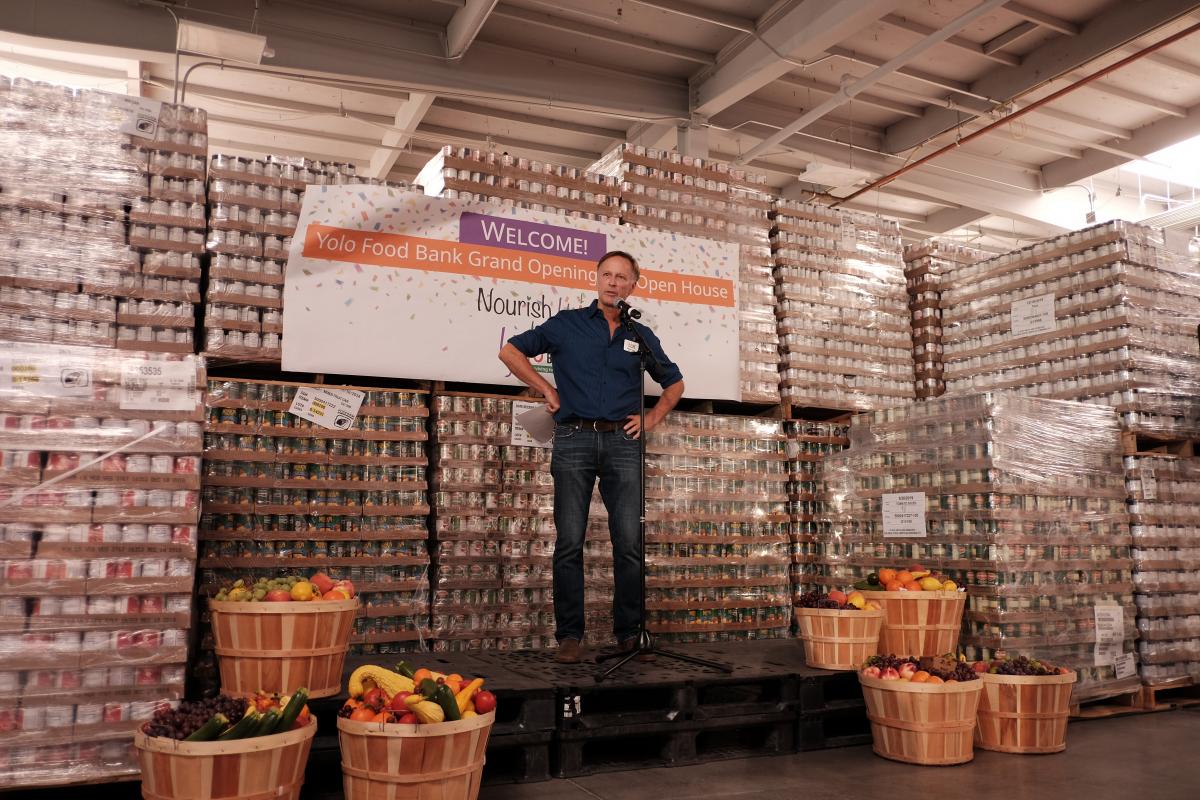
x: 1102, y: 315
x: 76, y: 267
x: 99, y: 500
x: 1019, y: 500
x: 485, y: 176
x: 924, y: 265
x: 494, y: 534
x: 844, y: 323
x: 715, y: 200
x: 808, y: 444
x: 1164, y: 495
x: 283, y: 495
x: 717, y: 529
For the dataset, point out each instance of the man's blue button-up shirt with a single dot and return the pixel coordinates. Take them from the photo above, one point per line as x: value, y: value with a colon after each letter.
x: 596, y: 376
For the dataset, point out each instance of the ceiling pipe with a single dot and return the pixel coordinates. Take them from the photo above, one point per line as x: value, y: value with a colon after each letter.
x: 849, y: 89
x: 465, y: 25
x: 1036, y: 104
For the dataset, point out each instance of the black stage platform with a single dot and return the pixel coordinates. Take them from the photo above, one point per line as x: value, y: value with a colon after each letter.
x: 554, y: 720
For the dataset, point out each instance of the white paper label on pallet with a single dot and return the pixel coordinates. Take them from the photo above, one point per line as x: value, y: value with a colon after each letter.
x: 42, y: 377
x: 1149, y: 486
x: 141, y: 115
x: 159, y: 386
x: 1110, y: 622
x: 1033, y: 316
x: 1126, y: 666
x: 849, y: 237
x: 1107, y: 653
x: 532, y: 424
x: 904, y: 515
x: 334, y: 409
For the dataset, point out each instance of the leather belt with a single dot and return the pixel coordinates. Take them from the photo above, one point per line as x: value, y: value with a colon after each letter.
x: 598, y: 425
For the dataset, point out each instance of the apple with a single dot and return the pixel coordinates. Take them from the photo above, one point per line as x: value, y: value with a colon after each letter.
x: 871, y: 672
x: 375, y: 698
x: 346, y: 586
x: 322, y: 581
x: 839, y: 597
x: 907, y: 669
x: 979, y: 666
x: 398, y: 703
x: 890, y: 674
x: 278, y: 596
x: 408, y: 719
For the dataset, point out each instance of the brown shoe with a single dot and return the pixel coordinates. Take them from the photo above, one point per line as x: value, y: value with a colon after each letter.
x: 631, y: 644
x: 569, y: 652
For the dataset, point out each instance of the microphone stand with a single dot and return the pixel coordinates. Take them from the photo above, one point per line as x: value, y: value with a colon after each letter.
x: 645, y: 642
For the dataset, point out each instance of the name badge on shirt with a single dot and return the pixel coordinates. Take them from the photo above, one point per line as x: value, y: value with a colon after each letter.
x: 631, y: 346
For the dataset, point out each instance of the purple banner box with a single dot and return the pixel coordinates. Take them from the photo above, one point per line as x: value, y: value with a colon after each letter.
x: 532, y: 237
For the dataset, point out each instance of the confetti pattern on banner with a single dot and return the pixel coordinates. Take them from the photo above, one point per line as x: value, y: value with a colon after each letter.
x: 449, y: 327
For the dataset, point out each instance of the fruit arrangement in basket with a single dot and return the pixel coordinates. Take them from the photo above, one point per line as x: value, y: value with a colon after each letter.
x: 1021, y: 666
x: 911, y: 579
x: 224, y: 718
x: 927, y: 669
x: 287, y: 589
x: 838, y: 600
x: 413, y: 697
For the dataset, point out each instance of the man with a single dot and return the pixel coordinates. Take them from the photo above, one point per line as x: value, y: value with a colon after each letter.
x: 596, y: 368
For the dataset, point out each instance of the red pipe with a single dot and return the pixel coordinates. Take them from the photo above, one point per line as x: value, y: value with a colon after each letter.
x: 886, y: 179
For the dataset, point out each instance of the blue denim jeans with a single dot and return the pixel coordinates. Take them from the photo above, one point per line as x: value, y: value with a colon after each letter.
x: 580, y: 457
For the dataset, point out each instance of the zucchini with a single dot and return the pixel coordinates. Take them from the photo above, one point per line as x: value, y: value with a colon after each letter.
x: 209, y: 730
x: 243, y: 727
x: 404, y: 669
x: 291, y: 711
x: 266, y: 724
x: 449, y: 703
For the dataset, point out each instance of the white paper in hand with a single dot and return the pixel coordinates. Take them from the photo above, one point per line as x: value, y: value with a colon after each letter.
x: 532, y: 424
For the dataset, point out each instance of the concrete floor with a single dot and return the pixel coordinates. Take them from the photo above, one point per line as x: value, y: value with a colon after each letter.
x: 1148, y: 757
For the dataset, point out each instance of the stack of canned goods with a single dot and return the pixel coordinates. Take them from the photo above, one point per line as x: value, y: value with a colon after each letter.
x: 285, y: 496
x: 96, y: 569
x: 717, y: 529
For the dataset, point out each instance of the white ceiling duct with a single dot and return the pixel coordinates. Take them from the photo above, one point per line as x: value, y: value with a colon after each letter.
x: 1183, y: 217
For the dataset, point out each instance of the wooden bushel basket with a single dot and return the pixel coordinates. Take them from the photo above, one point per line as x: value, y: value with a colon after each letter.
x: 262, y: 768
x: 922, y: 723
x: 383, y: 761
x: 838, y: 639
x: 920, y: 623
x: 1024, y: 713
x: 282, y: 647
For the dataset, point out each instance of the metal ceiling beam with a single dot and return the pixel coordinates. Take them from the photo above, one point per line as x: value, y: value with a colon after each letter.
x: 961, y: 42
x: 948, y: 219
x: 1145, y: 140
x: 866, y: 98
x: 1013, y: 34
x: 528, y: 119
x: 408, y: 117
x: 1118, y: 25
x: 606, y: 35
x: 921, y: 75
x: 465, y: 25
x: 702, y: 13
x: 268, y: 102
x: 307, y: 39
x: 1083, y: 122
x: 1173, y: 64
x: 1138, y: 98
x: 847, y: 92
x: 650, y: 134
x: 801, y: 32
x: 483, y: 139
x: 1042, y: 18
x: 893, y: 213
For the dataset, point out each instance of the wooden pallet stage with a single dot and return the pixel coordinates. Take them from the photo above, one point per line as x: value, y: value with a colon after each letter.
x: 1133, y: 443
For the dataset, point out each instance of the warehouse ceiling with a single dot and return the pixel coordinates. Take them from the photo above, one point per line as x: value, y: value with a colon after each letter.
x: 383, y: 84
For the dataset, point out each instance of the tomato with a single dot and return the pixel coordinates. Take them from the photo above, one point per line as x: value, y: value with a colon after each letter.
x: 383, y: 716
x: 363, y: 714
x: 408, y: 719
x: 484, y: 702
x: 375, y: 697
x: 398, y: 701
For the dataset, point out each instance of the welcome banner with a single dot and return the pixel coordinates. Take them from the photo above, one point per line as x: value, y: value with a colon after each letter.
x: 391, y: 283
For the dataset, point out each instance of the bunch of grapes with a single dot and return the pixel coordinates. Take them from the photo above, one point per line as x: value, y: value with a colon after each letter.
x: 883, y: 662
x: 962, y: 672
x: 1022, y: 665
x: 810, y: 600
x: 190, y: 716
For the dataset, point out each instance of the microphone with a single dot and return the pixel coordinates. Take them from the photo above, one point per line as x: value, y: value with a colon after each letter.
x: 628, y: 310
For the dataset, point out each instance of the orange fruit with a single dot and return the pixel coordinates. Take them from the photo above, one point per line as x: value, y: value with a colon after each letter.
x: 421, y: 675
x: 921, y: 676
x: 934, y: 679
x: 894, y: 586
x: 886, y: 576
x: 912, y: 586
x: 904, y: 576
